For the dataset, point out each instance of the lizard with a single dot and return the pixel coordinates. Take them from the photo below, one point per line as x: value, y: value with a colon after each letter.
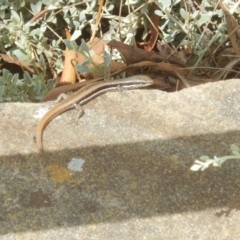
x: 86, y: 94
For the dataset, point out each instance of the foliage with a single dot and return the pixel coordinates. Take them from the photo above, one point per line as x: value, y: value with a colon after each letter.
x: 85, y: 51
x: 13, y: 89
x: 217, y: 161
x: 41, y: 41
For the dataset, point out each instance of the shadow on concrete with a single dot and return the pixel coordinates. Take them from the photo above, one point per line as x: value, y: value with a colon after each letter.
x: 135, y: 180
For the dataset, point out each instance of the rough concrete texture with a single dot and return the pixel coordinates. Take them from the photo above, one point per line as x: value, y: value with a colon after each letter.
x: 123, y: 170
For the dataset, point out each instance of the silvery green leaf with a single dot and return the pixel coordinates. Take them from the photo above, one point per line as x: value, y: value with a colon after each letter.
x: 170, y: 37
x: 132, y: 2
x: 4, y: 73
x: 19, y: 83
x: 72, y: 10
x: 40, y: 49
x: 219, y: 13
x: 110, y: 7
x: 52, y: 7
x: 159, y: 13
x: 37, y: 87
x: 43, y: 28
x: 7, y: 99
x: 15, y: 17
x: 82, y: 68
x: 22, y: 56
x: 35, y: 32
x: 42, y: 62
x: 174, y: 2
x: 194, y: 14
x: 7, y: 75
x: 93, y: 4
x: 76, y: 34
x: 203, y: 18
x: 50, y: 83
x: 218, y: 160
x: 82, y: 16
x: 107, y: 59
x: 166, y: 4
x: 234, y: 147
x: 204, y: 158
x: 48, y: 54
x: 183, y: 13
x: 217, y: 163
x: 145, y: 9
x: 196, y: 167
x: 51, y: 19
x: 70, y: 44
x: 130, y: 35
x: 36, y: 8
x: 84, y: 47
x: 21, y: 4
x: 2, y: 89
x: 3, y: 7
x: 67, y: 20
x: 2, y: 14
x: 27, y: 77
x: 236, y: 153
x: 76, y: 24
x: 233, y: 6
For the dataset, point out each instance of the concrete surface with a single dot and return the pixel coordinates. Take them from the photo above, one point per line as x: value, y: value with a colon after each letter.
x: 123, y: 170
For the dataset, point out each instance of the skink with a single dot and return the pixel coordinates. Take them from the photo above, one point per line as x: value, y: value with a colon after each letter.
x: 86, y: 94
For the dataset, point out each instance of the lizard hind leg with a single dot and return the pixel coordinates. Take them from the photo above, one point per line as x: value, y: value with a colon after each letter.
x: 80, y: 113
